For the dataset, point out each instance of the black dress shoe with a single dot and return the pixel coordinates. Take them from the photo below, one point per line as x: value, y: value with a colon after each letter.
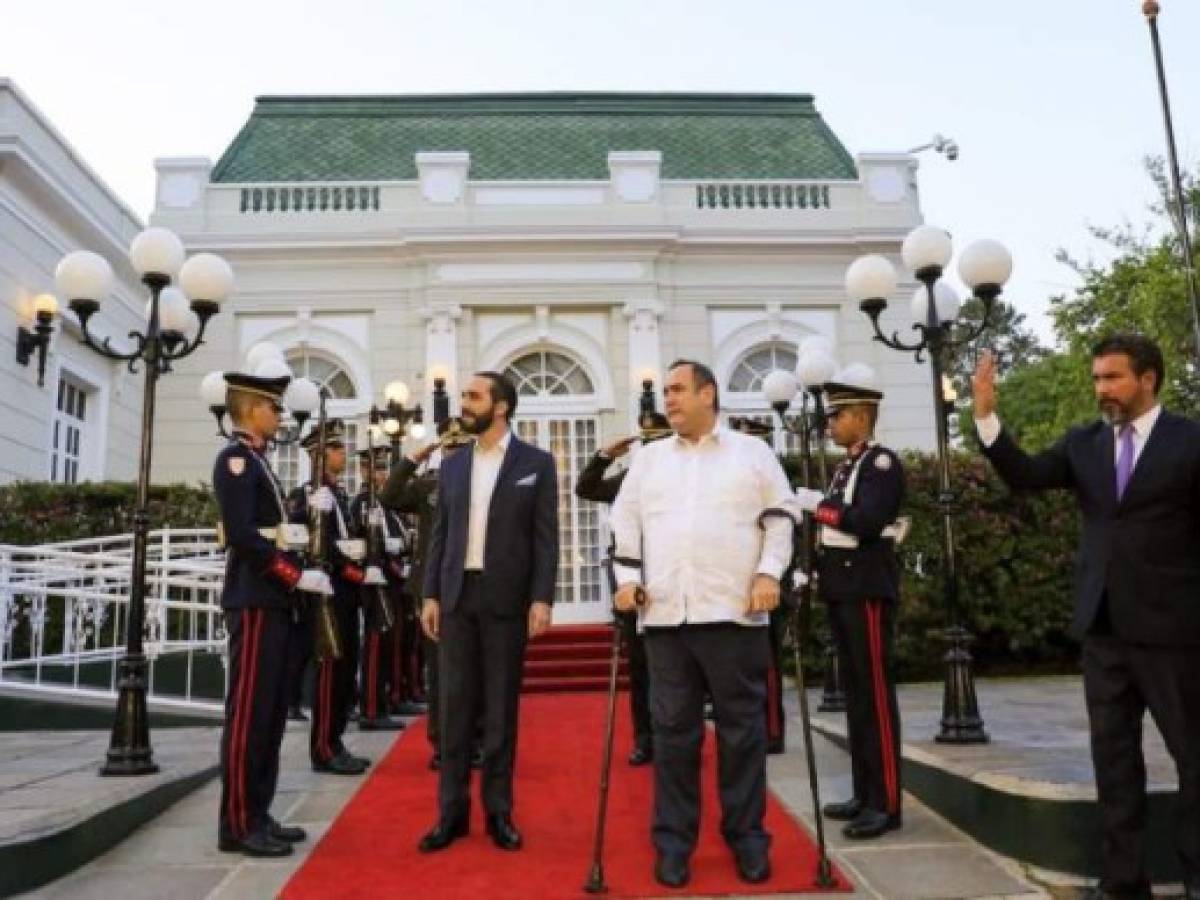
x: 775, y: 747
x: 409, y: 709
x: 844, y: 811
x: 257, y: 844
x: 671, y: 871
x: 357, y: 760
x: 753, y: 865
x: 296, y: 714
x: 504, y: 833
x: 382, y: 723
x: 342, y: 764
x: 444, y: 834
x: 871, y: 823
x: 641, y: 755
x: 289, y: 834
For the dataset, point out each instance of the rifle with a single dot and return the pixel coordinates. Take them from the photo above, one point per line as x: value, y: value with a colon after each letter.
x: 327, y: 643
x: 379, y: 610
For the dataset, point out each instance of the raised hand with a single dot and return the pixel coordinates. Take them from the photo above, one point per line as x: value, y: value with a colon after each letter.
x: 983, y: 385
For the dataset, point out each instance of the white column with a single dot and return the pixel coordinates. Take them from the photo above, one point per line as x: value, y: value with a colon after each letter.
x: 441, y: 350
x: 645, y: 348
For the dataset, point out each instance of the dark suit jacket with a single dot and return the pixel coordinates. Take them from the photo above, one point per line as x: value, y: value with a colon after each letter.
x: 1143, y: 553
x: 521, y: 548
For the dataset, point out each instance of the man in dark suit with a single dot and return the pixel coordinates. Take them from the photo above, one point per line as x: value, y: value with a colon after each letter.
x: 489, y: 586
x: 1136, y: 474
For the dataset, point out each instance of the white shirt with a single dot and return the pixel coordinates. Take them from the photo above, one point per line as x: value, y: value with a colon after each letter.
x: 690, y: 512
x: 485, y: 469
x: 989, y: 430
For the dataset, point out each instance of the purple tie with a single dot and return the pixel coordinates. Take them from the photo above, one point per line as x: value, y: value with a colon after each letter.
x: 1125, y: 462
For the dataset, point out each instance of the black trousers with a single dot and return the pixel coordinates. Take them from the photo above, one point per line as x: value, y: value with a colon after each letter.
x: 1121, y: 681
x: 479, y: 669
x: 378, y: 651
x: 299, y: 656
x: 432, y: 681
x: 863, y: 631
x: 730, y: 661
x: 255, y: 717
x: 334, y: 692
x: 639, y: 679
x: 776, y: 718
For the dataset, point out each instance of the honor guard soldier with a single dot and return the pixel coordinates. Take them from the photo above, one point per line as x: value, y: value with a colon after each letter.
x: 777, y: 624
x: 859, y: 579
x: 416, y: 494
x: 335, y: 682
x: 594, y: 486
x: 379, y: 644
x: 263, y: 585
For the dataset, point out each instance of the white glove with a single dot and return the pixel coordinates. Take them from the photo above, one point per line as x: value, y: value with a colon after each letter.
x: 799, y: 580
x: 374, y: 575
x: 392, y: 546
x: 314, y: 581
x: 321, y: 499
x: 808, y: 499
x: 376, y: 519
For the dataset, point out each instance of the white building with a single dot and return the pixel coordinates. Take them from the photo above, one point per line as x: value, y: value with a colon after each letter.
x: 83, y: 423
x: 578, y: 241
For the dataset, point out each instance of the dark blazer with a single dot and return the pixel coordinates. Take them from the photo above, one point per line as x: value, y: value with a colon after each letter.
x: 257, y: 573
x: 870, y: 570
x: 1143, y: 553
x: 521, y: 553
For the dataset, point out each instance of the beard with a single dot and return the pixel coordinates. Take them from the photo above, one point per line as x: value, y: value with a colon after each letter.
x: 477, y: 424
x: 1115, y: 413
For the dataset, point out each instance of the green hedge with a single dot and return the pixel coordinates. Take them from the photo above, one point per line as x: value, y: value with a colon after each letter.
x: 39, y: 512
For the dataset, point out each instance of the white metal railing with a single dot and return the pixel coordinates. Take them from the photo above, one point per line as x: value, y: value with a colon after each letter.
x: 63, y: 609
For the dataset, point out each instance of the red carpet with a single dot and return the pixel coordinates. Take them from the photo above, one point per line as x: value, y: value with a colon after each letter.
x: 371, y: 850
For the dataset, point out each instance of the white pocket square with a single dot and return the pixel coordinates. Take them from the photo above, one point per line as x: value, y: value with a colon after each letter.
x: 527, y: 481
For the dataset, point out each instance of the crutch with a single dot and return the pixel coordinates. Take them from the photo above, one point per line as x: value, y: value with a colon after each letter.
x: 595, y: 881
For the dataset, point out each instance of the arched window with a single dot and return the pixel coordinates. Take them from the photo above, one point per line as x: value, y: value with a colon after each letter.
x: 548, y: 373
x: 290, y: 462
x: 324, y: 372
x: 749, y: 372
x: 743, y: 396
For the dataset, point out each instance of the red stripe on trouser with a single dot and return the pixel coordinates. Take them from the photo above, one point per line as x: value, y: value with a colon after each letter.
x: 772, y: 712
x: 247, y: 677
x: 322, y: 719
x: 372, y: 675
x: 882, y: 707
x: 239, y: 708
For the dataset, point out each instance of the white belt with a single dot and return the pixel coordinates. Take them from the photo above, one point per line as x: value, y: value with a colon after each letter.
x: 285, y: 536
x: 353, y: 548
x: 897, y: 531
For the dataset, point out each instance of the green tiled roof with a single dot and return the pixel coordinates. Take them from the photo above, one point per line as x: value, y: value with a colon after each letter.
x: 521, y: 137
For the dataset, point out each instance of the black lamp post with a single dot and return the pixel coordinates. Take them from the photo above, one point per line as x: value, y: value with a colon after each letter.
x: 1179, y: 212
x: 394, y: 418
x: 985, y: 266
x: 85, y: 279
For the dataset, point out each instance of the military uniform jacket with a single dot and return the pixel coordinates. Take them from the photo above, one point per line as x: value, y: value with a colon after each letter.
x: 592, y: 484
x: 257, y: 573
x: 393, y: 564
x: 857, y: 561
x: 345, y: 573
x: 407, y: 492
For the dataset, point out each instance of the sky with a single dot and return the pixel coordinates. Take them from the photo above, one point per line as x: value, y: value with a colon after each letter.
x: 1053, y: 102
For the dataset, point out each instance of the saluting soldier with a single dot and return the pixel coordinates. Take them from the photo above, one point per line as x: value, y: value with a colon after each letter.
x: 594, y: 485
x: 335, y: 682
x: 378, y: 646
x: 263, y: 585
x: 859, y: 579
x: 406, y: 491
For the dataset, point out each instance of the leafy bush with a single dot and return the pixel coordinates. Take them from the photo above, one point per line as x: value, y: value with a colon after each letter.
x: 39, y: 512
